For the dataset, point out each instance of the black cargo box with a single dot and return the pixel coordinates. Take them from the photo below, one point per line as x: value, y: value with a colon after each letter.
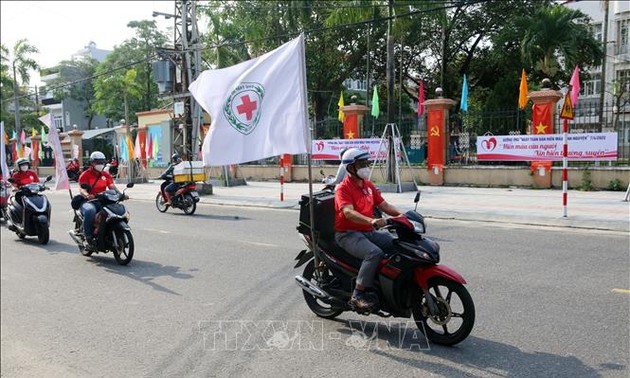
x: 324, y: 203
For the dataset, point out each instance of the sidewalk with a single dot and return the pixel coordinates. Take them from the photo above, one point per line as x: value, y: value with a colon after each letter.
x: 602, y: 210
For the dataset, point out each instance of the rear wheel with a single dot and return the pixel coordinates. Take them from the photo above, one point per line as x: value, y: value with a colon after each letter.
x: 456, y: 312
x: 160, y: 203
x: 320, y: 308
x: 123, y: 251
x: 190, y: 204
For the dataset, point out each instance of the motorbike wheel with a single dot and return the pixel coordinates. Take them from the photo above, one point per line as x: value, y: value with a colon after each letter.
x: 321, y: 309
x: 124, y: 253
x: 43, y: 234
x: 159, y: 203
x: 192, y: 205
x: 456, y: 312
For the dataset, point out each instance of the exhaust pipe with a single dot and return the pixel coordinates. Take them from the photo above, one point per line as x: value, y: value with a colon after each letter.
x: 310, y: 288
x: 75, y: 238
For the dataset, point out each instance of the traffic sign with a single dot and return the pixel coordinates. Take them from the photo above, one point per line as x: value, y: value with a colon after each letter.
x: 567, y: 108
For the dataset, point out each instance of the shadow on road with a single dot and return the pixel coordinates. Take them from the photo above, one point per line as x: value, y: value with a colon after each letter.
x: 217, y: 217
x: 53, y: 246
x: 141, y: 271
x: 385, y: 338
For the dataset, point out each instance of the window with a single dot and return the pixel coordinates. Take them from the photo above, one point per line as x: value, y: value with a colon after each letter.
x: 596, y: 30
x: 591, y: 86
x: 622, y: 82
x: 623, y: 36
x: 58, y: 122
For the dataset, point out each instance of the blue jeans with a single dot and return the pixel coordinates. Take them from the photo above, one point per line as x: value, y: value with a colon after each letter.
x: 89, y: 210
x: 369, y: 247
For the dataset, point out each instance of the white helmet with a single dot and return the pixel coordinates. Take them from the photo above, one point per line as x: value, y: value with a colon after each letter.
x: 97, y: 155
x: 353, y: 155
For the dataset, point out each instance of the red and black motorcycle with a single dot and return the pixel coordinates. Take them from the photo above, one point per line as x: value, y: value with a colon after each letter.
x: 409, y: 281
x: 185, y: 198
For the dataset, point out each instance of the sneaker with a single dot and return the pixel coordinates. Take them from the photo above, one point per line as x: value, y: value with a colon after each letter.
x: 362, y: 301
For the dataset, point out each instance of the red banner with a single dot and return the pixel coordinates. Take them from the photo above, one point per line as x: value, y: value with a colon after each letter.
x: 142, y: 135
x: 541, y: 119
x: 435, y: 137
x: 542, y: 123
x: 351, y: 127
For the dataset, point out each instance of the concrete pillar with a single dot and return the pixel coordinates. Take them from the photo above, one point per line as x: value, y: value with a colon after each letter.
x: 76, y: 139
x: 541, y: 170
x: 437, y: 137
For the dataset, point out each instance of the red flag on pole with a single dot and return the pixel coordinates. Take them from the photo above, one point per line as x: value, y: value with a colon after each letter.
x: 421, y: 98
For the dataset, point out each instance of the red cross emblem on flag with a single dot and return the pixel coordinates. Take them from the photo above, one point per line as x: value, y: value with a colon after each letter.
x: 243, y: 107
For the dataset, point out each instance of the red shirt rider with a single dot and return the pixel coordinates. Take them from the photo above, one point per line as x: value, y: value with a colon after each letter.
x: 24, y: 177
x: 90, y: 175
x: 362, y: 199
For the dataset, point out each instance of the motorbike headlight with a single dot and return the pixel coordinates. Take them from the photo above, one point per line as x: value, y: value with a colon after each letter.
x: 418, y: 227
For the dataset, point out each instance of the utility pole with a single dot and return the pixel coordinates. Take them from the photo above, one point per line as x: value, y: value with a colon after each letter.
x: 603, y: 86
x: 185, y: 65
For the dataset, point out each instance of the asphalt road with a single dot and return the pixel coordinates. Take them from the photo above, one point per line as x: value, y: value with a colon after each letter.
x: 214, y: 295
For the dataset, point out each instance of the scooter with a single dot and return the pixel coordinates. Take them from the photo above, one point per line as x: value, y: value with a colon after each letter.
x: 29, y: 215
x: 111, y: 227
x: 185, y: 198
x: 409, y: 281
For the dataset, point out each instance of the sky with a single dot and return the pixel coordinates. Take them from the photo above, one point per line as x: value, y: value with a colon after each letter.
x: 61, y: 28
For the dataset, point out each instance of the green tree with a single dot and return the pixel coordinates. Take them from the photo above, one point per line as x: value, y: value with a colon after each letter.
x: 557, y: 33
x: 21, y: 64
x: 115, y: 92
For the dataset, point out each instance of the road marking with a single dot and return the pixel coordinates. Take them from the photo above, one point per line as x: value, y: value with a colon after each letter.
x: 621, y: 291
x: 154, y: 230
x: 260, y: 244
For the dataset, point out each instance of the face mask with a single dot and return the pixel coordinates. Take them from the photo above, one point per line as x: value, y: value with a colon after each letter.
x: 364, y: 173
x: 23, y: 168
x: 99, y: 167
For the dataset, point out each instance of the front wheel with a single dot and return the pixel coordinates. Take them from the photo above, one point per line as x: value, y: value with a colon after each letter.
x: 190, y: 204
x: 43, y: 233
x: 160, y: 203
x: 456, y: 312
x: 123, y: 248
x: 320, y: 308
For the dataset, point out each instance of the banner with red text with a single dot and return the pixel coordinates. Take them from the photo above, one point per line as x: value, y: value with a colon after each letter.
x: 547, y: 147
x: 329, y: 149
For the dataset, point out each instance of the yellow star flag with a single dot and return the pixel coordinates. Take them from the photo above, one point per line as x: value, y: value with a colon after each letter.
x: 341, y: 116
x: 522, y: 93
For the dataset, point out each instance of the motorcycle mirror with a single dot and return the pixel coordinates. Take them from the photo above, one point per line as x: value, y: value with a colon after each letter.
x: 417, y: 199
x: 130, y: 185
x: 48, y: 178
x: 86, y: 187
x: 321, y: 171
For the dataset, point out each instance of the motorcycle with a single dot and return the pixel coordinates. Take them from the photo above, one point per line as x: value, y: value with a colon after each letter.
x: 409, y: 281
x: 29, y: 215
x: 185, y: 198
x: 111, y: 227
x: 4, y: 199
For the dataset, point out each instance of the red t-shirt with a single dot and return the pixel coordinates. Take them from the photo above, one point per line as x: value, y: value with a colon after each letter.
x: 362, y: 200
x: 24, y: 178
x: 89, y: 177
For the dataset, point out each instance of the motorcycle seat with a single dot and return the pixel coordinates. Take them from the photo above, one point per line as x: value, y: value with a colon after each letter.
x: 329, y: 245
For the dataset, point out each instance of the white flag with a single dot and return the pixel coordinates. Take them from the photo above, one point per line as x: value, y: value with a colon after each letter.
x: 3, y: 155
x: 61, y: 181
x: 258, y: 107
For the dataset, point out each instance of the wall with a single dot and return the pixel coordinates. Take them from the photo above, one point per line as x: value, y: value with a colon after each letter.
x: 472, y: 176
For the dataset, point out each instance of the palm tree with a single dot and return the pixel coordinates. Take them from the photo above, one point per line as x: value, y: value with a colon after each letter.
x: 557, y: 33
x: 21, y: 63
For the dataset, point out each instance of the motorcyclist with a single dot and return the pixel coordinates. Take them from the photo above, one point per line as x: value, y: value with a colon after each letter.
x: 170, y: 187
x: 355, y: 199
x: 99, y: 181
x: 23, y: 175
x: 73, y: 168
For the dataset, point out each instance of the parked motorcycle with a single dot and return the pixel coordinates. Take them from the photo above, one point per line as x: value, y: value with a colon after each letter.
x: 111, y: 227
x: 28, y: 211
x: 185, y: 198
x: 409, y: 280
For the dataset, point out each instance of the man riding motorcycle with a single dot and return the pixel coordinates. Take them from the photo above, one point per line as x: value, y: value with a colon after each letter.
x: 99, y: 181
x: 23, y: 176
x: 171, y: 186
x: 355, y: 199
